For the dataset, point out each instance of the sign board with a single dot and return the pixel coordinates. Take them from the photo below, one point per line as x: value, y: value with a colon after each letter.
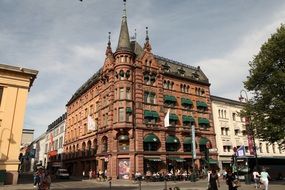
x: 212, y: 150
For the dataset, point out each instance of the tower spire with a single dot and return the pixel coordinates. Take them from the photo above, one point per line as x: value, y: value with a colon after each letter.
x: 109, y: 49
x: 124, y: 39
x: 147, y: 45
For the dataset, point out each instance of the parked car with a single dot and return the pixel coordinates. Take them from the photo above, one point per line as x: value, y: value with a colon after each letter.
x: 62, y: 174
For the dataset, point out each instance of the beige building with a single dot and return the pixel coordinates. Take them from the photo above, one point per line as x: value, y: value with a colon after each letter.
x: 231, y: 132
x: 15, y: 83
x: 27, y: 137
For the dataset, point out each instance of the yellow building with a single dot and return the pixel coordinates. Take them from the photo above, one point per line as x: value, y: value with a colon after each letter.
x: 15, y: 83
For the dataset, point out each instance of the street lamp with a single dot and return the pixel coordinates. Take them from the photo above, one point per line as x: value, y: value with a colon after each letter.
x: 249, y: 128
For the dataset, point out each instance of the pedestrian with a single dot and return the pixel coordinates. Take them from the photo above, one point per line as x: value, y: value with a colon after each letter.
x: 213, y: 180
x: 230, y: 180
x: 264, y: 176
x: 36, y: 179
x: 256, y: 177
x: 90, y: 174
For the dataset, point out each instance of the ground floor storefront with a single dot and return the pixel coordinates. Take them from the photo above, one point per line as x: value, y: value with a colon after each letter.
x: 125, y: 166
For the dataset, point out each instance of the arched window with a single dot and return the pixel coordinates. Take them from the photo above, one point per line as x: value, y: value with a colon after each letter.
x: 164, y: 84
x: 188, y: 89
x: 89, y: 148
x: 123, y: 143
x: 104, y: 144
x: 172, y: 143
x: 83, y: 149
x: 95, y: 146
x: 168, y: 84
x: 151, y: 142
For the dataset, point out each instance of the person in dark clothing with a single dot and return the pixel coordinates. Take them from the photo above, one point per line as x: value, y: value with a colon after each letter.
x: 214, y: 182
x: 230, y: 178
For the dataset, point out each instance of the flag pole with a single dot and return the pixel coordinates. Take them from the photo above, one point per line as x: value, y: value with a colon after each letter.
x: 193, y: 152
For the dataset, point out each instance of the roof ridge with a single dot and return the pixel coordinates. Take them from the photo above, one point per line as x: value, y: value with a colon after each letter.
x: 175, y: 62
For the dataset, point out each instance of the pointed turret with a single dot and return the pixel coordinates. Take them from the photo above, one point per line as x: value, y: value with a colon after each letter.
x: 124, y: 39
x: 147, y: 46
x: 109, y: 49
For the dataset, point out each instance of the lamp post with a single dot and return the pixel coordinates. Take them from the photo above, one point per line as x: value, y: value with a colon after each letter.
x: 249, y: 128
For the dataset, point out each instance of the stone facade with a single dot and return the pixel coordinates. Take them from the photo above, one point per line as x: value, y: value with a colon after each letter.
x: 15, y: 83
x: 231, y: 132
x: 128, y: 99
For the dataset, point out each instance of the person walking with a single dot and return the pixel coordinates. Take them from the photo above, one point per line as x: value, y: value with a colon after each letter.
x: 256, y: 177
x: 213, y: 180
x: 264, y: 176
x: 230, y: 179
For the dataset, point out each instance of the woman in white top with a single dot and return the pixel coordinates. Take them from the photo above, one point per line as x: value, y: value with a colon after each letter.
x: 256, y: 177
x: 264, y: 178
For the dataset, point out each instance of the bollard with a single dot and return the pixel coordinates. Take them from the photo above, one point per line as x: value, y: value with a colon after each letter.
x: 165, y: 184
x: 110, y: 185
x: 140, y: 184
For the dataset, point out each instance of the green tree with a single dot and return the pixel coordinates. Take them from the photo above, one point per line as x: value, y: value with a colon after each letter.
x: 266, y: 81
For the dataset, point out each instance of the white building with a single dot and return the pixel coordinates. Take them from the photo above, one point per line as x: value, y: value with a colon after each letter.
x: 231, y: 132
x: 54, y: 140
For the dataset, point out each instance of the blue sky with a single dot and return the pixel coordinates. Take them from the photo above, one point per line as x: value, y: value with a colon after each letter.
x: 66, y: 40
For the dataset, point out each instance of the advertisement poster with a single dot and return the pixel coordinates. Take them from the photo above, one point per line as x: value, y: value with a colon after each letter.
x: 124, y: 169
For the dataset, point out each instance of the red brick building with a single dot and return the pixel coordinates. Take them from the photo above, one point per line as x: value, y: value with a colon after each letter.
x: 128, y: 99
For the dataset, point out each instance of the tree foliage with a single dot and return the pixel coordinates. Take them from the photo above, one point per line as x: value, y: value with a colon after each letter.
x: 266, y: 81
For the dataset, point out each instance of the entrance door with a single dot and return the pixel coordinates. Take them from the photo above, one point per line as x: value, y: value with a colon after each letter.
x: 124, y: 168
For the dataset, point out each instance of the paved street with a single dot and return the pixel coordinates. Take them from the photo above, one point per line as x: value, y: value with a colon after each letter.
x: 73, y: 184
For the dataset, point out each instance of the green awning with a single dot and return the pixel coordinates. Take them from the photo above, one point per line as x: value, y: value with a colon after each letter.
x: 169, y: 98
x: 154, y: 114
x: 211, y: 161
x: 154, y: 159
x: 186, y: 101
x: 173, y: 117
x: 187, y: 119
x: 203, y: 121
x: 172, y: 139
x: 177, y: 159
x: 151, y: 138
x: 203, y: 141
x: 129, y: 110
x: 201, y: 104
x: 187, y: 140
x: 147, y: 113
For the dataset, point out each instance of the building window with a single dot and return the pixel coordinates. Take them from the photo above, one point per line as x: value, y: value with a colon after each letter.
x: 227, y: 148
x: 236, y: 131
x: 121, y: 114
x: 1, y: 94
x: 60, y: 142
x: 116, y: 95
x: 225, y: 113
x: 122, y: 93
x: 273, y: 148
x: 260, y: 148
x: 234, y: 116
x: 222, y: 131
x: 123, y: 143
x: 227, y: 131
x: 149, y: 97
x: 129, y: 94
x: 91, y: 109
x: 267, y: 147
x: 104, y: 144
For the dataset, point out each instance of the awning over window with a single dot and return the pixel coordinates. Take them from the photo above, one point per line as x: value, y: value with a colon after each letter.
x: 203, y: 121
x: 129, y: 110
x: 201, y: 104
x: 187, y: 140
x: 153, y: 159
x: 151, y: 138
x: 186, y: 101
x: 173, y: 117
x: 152, y: 114
x: 203, y: 141
x: 172, y: 139
x: 177, y: 159
x: 168, y: 98
x: 188, y: 119
x: 212, y: 161
x: 123, y: 137
x: 147, y: 113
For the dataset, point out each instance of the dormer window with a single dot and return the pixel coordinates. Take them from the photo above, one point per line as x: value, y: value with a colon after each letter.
x: 181, y: 71
x: 166, y: 67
